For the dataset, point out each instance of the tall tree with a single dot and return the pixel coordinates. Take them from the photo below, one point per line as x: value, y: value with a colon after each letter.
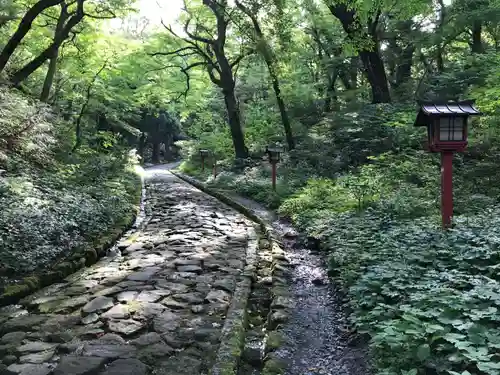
x: 211, y: 53
x: 265, y: 51
x: 51, y: 71
x: 365, y: 38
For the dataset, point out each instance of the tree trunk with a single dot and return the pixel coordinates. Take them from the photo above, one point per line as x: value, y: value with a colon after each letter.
x: 375, y: 73
x: 403, y: 70
x: 281, y: 105
x: 354, y: 72
x: 477, y: 44
x: 372, y: 62
x: 23, y: 28
x: 38, y: 61
x: 155, y: 157
x: 51, y: 71
x: 331, y: 93
x: 240, y: 150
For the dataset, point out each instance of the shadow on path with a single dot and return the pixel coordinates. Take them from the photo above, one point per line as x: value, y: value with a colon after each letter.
x: 155, y: 306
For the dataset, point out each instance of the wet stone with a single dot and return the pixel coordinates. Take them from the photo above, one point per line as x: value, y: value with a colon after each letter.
x: 117, y: 312
x: 126, y: 296
x: 165, y: 322
x: 37, y: 357
x: 174, y: 304
x: 13, y: 337
x: 126, y: 367
x: 35, y: 346
x: 142, y: 275
x: 151, y: 295
x: 126, y: 327
x: 9, y: 359
x: 22, y: 323
x: 108, y: 291
x: 60, y: 337
x: 147, y: 310
x: 91, y: 318
x: 112, y: 338
x: 79, y: 365
x: 173, y: 287
x: 179, y: 365
x: 105, y: 350
x: 190, y: 298
x: 147, y: 339
x: 29, y: 369
x: 218, y: 296
x: 227, y: 284
x: 134, y: 247
x: 98, y: 304
x: 150, y: 354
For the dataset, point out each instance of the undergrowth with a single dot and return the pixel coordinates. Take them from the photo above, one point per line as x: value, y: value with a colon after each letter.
x: 53, y: 200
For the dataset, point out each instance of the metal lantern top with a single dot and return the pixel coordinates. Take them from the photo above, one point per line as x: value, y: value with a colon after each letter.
x: 274, y: 152
x: 204, y: 152
x: 446, y: 124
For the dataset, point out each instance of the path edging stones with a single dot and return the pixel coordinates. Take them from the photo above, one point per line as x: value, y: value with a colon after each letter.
x: 80, y: 258
x: 279, y: 312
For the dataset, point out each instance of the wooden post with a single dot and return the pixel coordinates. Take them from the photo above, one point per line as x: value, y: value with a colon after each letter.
x: 273, y: 164
x: 203, y: 163
x: 447, y: 188
x: 215, y: 168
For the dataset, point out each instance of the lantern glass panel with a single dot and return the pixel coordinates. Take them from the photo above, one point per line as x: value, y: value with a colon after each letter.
x: 451, y: 129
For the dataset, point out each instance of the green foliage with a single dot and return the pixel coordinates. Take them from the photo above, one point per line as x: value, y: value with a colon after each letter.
x: 429, y: 295
x: 56, y: 202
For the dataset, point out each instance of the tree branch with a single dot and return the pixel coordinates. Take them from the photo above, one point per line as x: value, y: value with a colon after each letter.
x: 241, y: 57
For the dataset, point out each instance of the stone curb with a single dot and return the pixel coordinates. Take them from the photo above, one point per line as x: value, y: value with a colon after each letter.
x: 279, y: 271
x: 80, y: 258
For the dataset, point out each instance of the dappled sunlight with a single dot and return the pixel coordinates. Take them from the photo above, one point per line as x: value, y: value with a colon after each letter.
x: 171, y: 278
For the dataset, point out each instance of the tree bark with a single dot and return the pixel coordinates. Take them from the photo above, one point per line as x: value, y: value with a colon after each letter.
x: 373, y: 65
x: 51, y: 71
x: 477, y: 43
x: 38, y: 61
x: 23, y: 29
x: 233, y: 112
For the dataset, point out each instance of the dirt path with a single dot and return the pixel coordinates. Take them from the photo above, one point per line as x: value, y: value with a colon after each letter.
x: 156, y: 306
x: 316, y: 335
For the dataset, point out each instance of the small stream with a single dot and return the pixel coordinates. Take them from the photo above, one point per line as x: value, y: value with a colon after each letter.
x: 316, y: 334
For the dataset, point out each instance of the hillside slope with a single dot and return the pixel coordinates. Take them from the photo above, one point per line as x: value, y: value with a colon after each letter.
x: 58, y: 207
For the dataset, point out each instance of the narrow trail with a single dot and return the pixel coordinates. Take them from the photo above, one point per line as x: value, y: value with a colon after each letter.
x: 316, y: 335
x: 155, y: 307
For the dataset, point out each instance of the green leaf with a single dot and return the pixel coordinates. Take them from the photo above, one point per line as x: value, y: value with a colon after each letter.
x: 423, y: 352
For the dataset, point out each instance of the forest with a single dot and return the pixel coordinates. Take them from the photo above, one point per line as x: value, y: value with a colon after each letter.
x: 84, y: 101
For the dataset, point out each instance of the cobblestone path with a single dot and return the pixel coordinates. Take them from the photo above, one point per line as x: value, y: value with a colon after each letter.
x: 156, y: 308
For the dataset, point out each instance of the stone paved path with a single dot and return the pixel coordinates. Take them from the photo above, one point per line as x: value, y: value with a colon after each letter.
x: 158, y: 308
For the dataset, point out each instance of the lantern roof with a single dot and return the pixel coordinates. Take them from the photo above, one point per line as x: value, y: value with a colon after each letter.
x: 441, y: 109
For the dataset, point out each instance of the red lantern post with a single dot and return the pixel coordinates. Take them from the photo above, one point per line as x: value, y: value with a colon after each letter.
x: 446, y: 124
x: 274, y: 158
